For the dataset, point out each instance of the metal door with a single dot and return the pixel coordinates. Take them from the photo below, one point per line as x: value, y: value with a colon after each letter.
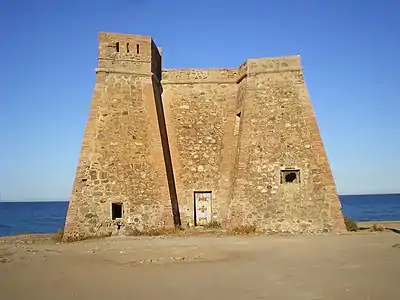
x: 202, y: 204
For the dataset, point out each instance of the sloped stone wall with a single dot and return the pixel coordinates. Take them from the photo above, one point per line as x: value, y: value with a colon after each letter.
x: 280, y: 133
x: 153, y: 138
x: 200, y: 116
x: 121, y: 159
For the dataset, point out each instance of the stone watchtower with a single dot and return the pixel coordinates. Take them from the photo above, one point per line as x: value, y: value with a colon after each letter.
x: 121, y: 171
x: 238, y: 146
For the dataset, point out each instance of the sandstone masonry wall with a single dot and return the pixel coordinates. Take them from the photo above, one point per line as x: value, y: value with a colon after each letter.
x: 199, y: 107
x: 121, y: 158
x: 281, y: 133
x: 155, y: 137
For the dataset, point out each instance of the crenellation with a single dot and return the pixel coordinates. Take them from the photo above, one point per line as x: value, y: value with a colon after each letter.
x: 123, y: 46
x: 127, y: 54
x: 184, y: 147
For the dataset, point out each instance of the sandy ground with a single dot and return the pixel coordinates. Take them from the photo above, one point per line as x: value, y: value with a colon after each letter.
x: 353, y: 266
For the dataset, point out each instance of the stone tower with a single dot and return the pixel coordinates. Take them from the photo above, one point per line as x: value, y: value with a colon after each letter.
x: 282, y: 179
x: 238, y: 146
x: 121, y: 173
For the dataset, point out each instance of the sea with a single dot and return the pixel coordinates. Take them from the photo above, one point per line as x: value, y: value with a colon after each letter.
x: 48, y: 216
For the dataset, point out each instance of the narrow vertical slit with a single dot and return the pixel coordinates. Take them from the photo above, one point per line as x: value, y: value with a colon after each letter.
x: 127, y: 47
x: 237, y: 123
x: 117, y: 46
x: 137, y: 49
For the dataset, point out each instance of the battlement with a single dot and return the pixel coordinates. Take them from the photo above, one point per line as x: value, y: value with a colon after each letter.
x: 129, y: 54
x: 250, y: 67
x: 139, y: 55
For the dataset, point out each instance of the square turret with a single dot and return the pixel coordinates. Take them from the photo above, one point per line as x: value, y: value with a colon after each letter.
x: 126, y: 53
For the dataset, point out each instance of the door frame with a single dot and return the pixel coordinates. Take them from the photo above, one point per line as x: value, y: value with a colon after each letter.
x: 194, y: 204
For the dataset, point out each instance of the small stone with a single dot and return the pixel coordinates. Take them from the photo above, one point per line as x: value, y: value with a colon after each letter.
x: 177, y: 258
x: 83, y: 210
x: 90, y: 215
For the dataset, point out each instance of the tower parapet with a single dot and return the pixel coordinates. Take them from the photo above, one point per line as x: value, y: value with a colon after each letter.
x: 273, y: 65
x: 128, y: 54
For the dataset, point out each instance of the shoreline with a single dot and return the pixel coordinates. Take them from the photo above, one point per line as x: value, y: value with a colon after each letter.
x: 362, y: 226
x: 384, y: 224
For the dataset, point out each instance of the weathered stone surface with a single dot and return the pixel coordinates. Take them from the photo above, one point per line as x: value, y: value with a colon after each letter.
x: 238, y: 133
x: 121, y: 159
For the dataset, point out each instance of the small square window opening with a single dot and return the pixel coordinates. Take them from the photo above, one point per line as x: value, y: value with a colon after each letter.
x: 116, y: 211
x: 290, y: 176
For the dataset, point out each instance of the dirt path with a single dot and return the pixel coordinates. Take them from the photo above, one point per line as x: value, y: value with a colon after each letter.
x: 356, y: 266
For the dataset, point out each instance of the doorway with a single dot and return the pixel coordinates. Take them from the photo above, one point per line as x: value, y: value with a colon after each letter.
x: 202, y: 208
x: 116, y: 211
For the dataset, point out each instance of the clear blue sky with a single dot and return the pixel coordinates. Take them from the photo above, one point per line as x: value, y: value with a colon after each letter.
x: 350, y: 54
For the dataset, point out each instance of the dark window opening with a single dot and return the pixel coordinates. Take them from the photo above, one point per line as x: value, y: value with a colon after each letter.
x: 117, y: 46
x: 290, y: 176
x: 137, y: 48
x: 116, y: 211
x: 237, y: 123
x: 84, y: 180
x: 127, y: 47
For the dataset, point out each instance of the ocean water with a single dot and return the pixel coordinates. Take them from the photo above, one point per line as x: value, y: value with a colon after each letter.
x: 48, y: 217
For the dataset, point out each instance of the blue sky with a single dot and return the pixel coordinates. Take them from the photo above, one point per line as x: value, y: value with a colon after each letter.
x: 350, y: 55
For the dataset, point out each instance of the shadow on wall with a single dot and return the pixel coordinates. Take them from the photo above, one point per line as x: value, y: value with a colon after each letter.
x: 166, y: 152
